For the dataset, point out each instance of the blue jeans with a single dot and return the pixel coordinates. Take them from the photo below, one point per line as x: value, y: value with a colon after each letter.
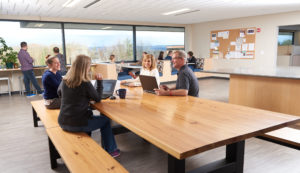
x: 29, y: 76
x: 98, y: 122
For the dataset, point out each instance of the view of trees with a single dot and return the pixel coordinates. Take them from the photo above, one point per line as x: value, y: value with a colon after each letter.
x: 99, y: 44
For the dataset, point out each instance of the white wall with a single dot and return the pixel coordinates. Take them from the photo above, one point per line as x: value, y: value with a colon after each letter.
x: 266, y: 40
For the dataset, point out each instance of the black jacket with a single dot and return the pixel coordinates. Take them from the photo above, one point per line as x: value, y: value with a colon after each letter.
x: 75, y: 110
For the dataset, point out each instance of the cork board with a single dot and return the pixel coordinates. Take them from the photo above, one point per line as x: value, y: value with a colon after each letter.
x: 233, y: 43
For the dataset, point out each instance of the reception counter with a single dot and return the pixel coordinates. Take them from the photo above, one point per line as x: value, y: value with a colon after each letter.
x: 275, y: 89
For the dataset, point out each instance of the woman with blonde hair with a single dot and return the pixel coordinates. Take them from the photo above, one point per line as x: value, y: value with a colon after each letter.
x: 75, y: 115
x: 148, y: 69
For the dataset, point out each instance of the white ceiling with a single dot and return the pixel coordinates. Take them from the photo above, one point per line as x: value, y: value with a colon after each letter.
x: 149, y: 10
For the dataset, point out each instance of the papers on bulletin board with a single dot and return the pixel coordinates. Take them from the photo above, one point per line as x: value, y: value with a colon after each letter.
x: 238, y: 48
x: 250, y: 31
x: 242, y: 34
x: 251, y: 47
x: 235, y: 54
x: 214, y: 45
x: 244, y: 47
x: 232, y: 43
x: 224, y: 34
x: 213, y: 36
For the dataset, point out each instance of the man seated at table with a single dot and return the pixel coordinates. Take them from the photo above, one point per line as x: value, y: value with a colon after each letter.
x: 186, y: 84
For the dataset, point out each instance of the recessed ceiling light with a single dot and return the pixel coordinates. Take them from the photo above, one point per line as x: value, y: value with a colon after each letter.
x: 177, y: 11
x: 106, y: 27
x: 70, y: 3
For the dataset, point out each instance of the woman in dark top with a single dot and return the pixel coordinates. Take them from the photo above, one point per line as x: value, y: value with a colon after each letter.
x: 191, y: 58
x: 161, y: 55
x: 76, y: 92
x: 51, y: 80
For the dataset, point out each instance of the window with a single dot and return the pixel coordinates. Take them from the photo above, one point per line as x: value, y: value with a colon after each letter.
x: 155, y: 39
x: 41, y: 37
x: 285, y: 38
x: 99, y: 41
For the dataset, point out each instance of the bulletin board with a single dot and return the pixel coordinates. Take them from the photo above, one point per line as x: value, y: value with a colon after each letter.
x: 233, y: 43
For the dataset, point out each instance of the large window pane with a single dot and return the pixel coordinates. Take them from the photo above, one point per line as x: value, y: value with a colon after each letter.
x: 155, y: 39
x: 285, y: 38
x: 99, y: 41
x: 40, y: 37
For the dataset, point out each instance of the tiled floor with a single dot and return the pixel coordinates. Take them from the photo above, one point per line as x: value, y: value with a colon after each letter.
x: 24, y: 148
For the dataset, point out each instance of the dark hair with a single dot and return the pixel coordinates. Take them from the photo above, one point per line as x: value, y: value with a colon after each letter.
x: 190, y: 53
x: 169, y: 52
x: 49, y: 60
x: 23, y: 44
x: 161, y: 55
x: 145, y: 53
x: 111, y: 57
x: 56, y: 50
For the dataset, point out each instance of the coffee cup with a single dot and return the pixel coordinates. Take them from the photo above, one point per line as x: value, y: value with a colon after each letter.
x: 121, y: 93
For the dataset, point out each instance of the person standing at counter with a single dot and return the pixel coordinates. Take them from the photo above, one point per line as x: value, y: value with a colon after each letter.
x: 26, y: 62
x: 62, y: 60
x: 186, y: 84
x: 51, y: 80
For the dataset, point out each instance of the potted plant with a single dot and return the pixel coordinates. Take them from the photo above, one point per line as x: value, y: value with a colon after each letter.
x: 7, y: 55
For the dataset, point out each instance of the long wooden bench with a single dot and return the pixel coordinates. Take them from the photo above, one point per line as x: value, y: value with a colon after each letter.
x: 78, y: 150
x: 286, y: 136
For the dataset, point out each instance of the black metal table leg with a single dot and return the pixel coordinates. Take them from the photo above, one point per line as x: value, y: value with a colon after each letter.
x: 235, y: 153
x: 35, y: 118
x: 233, y: 163
x: 175, y: 165
x: 54, y: 155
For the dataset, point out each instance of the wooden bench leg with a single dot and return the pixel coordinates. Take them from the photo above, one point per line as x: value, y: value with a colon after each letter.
x: 54, y: 155
x: 35, y: 118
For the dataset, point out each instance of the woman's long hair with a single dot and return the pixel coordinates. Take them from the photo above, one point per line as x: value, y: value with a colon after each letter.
x: 79, y: 71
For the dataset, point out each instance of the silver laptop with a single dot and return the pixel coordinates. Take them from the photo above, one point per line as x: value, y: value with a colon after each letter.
x: 149, y: 83
x: 108, y: 87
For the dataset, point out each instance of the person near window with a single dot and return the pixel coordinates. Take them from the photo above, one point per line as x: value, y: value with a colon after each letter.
x: 161, y: 55
x: 26, y: 62
x: 169, y: 56
x: 62, y: 60
x: 51, y: 80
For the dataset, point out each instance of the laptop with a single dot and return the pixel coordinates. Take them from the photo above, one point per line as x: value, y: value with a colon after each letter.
x: 108, y: 87
x: 149, y: 83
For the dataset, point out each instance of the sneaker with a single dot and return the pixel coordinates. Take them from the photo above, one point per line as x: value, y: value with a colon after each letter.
x: 30, y: 95
x: 42, y: 94
x: 115, y: 153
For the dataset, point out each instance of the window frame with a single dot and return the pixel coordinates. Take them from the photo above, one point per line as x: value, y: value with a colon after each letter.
x: 64, y: 40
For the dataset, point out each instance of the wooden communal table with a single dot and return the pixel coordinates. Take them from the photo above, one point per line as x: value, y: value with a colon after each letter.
x: 186, y: 126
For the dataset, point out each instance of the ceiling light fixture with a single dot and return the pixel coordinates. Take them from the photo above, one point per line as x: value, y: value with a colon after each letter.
x: 188, y: 12
x: 106, y: 27
x: 70, y: 3
x: 92, y: 3
x: 38, y: 25
x: 177, y: 11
